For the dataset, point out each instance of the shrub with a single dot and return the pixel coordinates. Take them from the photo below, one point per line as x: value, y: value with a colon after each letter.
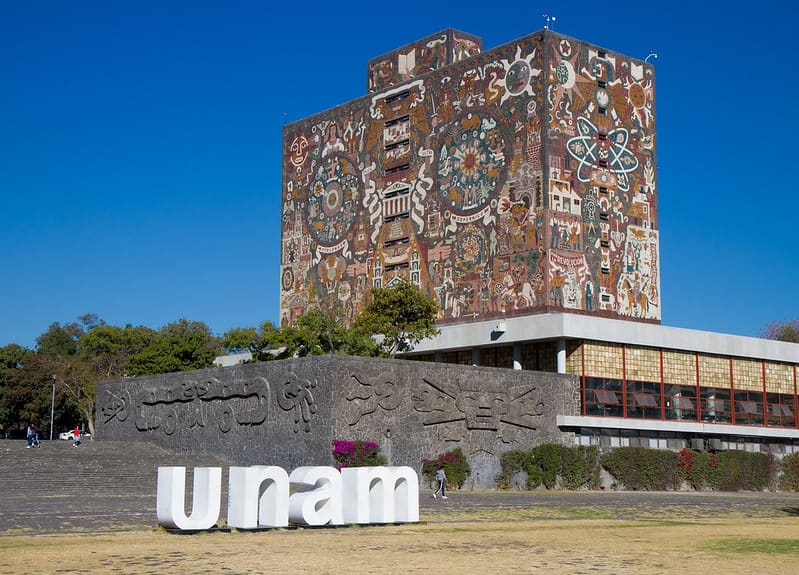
x: 700, y: 469
x: 790, y: 473
x: 357, y: 454
x: 744, y: 471
x: 544, y: 466
x: 454, y: 465
x: 576, y: 467
x: 512, y: 462
x: 644, y: 469
x: 579, y: 467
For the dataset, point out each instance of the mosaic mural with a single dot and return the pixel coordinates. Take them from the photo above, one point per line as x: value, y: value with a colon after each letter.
x: 513, y: 181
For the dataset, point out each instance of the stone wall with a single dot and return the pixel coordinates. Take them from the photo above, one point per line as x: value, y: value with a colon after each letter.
x: 287, y: 413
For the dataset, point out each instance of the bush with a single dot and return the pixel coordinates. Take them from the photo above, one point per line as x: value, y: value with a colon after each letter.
x: 643, y: 469
x: 579, y: 467
x: 744, y: 471
x: 790, y: 473
x: 454, y: 465
x: 357, y: 454
x: 700, y: 469
x: 576, y: 467
x: 512, y: 462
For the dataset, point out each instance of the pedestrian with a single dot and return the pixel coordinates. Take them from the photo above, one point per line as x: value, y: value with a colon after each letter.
x: 76, y: 436
x: 30, y: 436
x: 36, y: 441
x: 441, y: 478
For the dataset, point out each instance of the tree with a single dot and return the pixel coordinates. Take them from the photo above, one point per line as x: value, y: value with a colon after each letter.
x: 240, y: 339
x: 12, y: 357
x: 109, y: 347
x: 402, y: 314
x: 782, y: 331
x: 180, y: 346
x: 59, y: 340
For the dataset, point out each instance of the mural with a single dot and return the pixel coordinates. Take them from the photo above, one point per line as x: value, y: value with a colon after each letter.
x: 495, y: 183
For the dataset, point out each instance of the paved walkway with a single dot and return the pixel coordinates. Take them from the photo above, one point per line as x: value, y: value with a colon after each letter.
x: 105, y: 486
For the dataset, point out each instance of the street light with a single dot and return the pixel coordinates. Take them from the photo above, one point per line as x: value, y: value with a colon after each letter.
x: 52, y: 408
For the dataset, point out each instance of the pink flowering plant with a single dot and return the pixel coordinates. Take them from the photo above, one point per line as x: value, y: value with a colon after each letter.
x: 454, y: 465
x: 357, y: 454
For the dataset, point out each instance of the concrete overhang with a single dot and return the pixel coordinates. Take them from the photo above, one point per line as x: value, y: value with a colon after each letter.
x: 576, y: 421
x: 554, y: 326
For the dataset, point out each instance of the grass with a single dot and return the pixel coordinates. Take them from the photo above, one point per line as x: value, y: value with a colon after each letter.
x: 472, y: 541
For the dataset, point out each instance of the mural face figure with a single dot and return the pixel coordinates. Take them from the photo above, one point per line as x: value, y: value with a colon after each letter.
x: 482, y: 408
x: 299, y: 151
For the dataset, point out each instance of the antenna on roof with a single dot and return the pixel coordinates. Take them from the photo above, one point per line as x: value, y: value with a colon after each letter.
x: 549, y: 19
x: 652, y: 54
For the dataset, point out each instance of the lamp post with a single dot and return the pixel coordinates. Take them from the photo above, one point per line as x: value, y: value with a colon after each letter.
x: 52, y: 409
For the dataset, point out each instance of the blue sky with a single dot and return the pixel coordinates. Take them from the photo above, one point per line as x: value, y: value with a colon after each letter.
x: 140, y: 147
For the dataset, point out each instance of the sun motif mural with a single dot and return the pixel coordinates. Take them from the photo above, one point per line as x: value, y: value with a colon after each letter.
x: 333, y: 199
x: 470, y: 162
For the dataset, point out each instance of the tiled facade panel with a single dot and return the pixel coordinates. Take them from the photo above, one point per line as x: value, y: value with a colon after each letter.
x: 516, y: 181
x: 642, y: 363
x: 747, y: 375
x: 603, y: 360
x: 714, y: 371
x: 779, y: 378
x: 679, y: 367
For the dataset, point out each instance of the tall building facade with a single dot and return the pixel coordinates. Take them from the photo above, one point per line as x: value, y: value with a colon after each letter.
x: 514, y: 181
x: 518, y: 186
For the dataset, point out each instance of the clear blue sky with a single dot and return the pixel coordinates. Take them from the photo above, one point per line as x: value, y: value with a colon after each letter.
x: 140, y: 146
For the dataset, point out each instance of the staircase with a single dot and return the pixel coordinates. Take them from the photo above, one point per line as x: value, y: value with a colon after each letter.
x: 97, y: 486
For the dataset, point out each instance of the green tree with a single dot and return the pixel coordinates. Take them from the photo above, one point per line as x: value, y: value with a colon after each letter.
x: 240, y: 339
x: 180, y: 346
x: 109, y: 348
x: 60, y: 340
x: 782, y: 331
x: 12, y: 357
x: 401, y: 314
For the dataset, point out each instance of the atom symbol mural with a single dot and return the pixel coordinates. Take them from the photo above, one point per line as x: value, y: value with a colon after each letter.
x: 589, y: 150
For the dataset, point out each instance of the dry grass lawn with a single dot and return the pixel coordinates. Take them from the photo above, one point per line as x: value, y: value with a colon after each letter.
x: 473, y: 542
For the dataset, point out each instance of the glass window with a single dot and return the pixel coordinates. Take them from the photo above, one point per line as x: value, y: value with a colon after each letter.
x: 681, y: 402
x: 643, y: 400
x: 603, y: 397
x: 781, y: 410
x: 715, y: 405
x: 748, y: 407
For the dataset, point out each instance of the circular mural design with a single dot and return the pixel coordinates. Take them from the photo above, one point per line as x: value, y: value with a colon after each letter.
x: 287, y: 279
x: 333, y: 199
x: 518, y: 77
x: 471, y: 162
x: 637, y: 95
x: 470, y: 249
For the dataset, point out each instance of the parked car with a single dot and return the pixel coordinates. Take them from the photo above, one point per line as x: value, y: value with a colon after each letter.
x: 69, y: 435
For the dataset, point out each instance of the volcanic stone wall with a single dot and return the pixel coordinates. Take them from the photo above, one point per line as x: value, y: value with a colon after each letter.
x: 287, y: 413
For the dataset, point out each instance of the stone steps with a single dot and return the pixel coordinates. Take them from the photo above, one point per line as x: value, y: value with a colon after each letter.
x: 94, y: 467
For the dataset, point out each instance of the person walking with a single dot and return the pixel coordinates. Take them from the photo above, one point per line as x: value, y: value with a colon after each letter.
x: 441, y: 478
x: 36, y: 441
x: 76, y: 436
x: 30, y: 436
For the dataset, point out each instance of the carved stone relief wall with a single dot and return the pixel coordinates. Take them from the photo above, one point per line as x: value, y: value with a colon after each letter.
x: 287, y: 413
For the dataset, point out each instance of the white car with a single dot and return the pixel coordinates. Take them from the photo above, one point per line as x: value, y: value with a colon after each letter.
x: 69, y: 435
